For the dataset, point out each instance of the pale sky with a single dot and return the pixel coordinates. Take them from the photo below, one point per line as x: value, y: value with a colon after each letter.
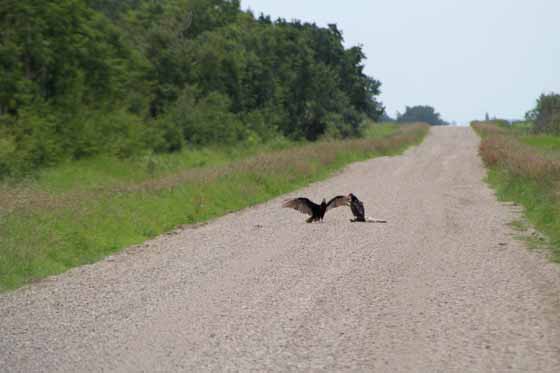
x: 464, y: 57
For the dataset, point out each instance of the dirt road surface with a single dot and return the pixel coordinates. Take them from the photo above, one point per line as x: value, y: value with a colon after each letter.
x: 443, y: 287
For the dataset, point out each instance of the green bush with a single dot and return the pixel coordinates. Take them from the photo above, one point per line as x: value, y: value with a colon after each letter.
x: 262, y: 125
x: 8, y: 159
x: 119, y: 133
x: 40, y: 138
x: 206, y: 121
x: 36, y: 132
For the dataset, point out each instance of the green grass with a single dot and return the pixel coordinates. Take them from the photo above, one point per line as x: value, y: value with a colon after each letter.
x: 380, y: 130
x: 521, y: 128
x: 105, y: 171
x: 79, y: 213
x: 540, y: 207
x: 547, y: 143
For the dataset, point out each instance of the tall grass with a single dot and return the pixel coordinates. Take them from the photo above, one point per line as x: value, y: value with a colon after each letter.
x: 59, y: 222
x: 521, y: 171
x: 548, y: 143
x: 377, y: 130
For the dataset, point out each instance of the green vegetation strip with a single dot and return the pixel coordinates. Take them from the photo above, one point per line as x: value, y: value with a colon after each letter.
x: 57, y: 224
x: 544, y: 142
x: 525, y: 169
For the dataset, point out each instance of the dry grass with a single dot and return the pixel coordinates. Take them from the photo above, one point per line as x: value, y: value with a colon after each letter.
x: 498, y: 148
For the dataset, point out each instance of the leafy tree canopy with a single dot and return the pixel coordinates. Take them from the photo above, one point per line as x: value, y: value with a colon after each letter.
x: 82, y: 77
x: 426, y: 114
x: 546, y: 114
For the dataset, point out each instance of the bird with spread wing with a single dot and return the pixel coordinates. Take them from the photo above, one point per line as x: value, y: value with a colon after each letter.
x: 317, y: 212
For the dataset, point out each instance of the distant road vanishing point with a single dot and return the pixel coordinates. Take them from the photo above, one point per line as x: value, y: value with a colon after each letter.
x: 443, y: 287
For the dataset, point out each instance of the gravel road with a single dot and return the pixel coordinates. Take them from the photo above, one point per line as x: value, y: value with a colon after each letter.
x: 443, y: 287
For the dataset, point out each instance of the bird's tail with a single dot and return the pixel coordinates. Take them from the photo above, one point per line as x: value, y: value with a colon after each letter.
x: 373, y: 220
x: 369, y: 220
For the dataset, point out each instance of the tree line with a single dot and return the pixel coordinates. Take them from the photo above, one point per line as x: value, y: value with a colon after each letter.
x: 417, y: 113
x: 84, y: 77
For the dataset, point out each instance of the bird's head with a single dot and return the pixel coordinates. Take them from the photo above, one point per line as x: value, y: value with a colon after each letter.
x: 324, y: 202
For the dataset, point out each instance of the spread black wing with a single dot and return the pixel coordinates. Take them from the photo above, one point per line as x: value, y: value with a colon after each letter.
x: 337, y: 202
x: 303, y: 205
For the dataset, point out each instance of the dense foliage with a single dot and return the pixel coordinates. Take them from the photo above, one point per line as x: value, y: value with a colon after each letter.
x: 546, y: 114
x: 425, y: 114
x: 83, y: 77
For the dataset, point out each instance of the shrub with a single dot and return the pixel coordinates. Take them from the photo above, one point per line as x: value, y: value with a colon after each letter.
x: 8, y: 159
x: 206, y: 121
x: 37, y: 132
x: 119, y: 133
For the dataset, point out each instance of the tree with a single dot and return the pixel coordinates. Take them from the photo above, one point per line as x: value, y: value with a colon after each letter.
x: 546, y: 114
x: 426, y: 114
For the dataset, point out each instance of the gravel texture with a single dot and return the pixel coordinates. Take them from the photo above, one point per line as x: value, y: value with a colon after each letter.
x: 442, y: 287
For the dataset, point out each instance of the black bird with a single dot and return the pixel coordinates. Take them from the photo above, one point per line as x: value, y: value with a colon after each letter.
x: 316, y: 211
x: 357, y: 208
